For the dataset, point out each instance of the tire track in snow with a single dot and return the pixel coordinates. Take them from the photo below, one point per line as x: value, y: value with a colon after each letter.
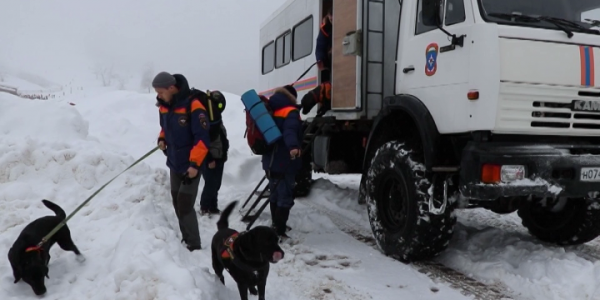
x: 589, y: 251
x: 434, y: 270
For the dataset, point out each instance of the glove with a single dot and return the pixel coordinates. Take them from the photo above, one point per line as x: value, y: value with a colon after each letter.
x: 320, y: 65
x: 185, y: 179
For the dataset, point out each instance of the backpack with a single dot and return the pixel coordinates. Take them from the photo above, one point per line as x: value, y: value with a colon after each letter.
x: 256, y: 141
x: 213, y: 101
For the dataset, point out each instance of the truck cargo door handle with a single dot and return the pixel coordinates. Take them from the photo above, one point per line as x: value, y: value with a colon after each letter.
x: 408, y: 69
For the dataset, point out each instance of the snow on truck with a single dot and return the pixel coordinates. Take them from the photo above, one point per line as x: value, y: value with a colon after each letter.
x: 448, y: 104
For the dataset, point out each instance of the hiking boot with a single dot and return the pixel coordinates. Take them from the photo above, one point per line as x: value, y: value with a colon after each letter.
x: 287, y: 228
x: 281, y: 216
x: 206, y: 212
x: 193, y: 247
x: 283, y: 237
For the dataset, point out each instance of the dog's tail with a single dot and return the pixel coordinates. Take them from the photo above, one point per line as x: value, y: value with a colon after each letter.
x: 224, y: 219
x: 55, y: 208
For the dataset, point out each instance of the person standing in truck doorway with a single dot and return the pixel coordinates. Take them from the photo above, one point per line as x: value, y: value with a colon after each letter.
x: 323, y: 47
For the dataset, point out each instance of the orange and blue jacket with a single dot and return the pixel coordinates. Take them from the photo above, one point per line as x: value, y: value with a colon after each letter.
x: 324, y: 43
x: 184, y: 132
x: 286, y: 115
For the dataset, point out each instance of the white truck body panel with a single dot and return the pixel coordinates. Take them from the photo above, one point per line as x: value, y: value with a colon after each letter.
x: 521, y: 73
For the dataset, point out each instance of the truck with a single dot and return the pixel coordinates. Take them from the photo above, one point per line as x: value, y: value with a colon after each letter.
x: 442, y: 105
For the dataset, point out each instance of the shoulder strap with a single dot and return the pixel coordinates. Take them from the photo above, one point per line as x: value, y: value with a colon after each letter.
x: 207, y: 102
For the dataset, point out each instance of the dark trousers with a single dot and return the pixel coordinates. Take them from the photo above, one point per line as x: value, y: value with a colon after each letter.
x: 212, y: 185
x: 281, y: 198
x: 283, y: 193
x: 184, y: 198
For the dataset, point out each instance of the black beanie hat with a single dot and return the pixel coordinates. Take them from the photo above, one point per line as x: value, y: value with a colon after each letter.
x: 292, y: 90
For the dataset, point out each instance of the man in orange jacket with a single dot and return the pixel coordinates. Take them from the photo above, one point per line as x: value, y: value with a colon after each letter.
x: 185, y: 141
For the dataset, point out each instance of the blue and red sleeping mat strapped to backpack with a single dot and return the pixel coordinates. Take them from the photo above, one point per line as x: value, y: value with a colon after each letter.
x: 261, y: 130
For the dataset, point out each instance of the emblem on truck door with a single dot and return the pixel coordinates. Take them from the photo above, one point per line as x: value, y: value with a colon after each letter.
x: 431, y: 53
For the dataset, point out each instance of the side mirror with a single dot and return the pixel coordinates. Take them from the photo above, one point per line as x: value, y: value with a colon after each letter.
x: 431, y: 12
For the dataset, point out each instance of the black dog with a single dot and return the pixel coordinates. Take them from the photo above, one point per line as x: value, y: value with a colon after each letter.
x: 30, y: 262
x: 245, y: 255
x: 320, y: 95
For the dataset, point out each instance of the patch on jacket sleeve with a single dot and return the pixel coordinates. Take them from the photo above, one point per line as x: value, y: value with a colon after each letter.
x: 203, y: 121
x: 183, y: 121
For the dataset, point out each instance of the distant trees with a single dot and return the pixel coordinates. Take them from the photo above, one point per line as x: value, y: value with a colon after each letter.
x: 147, y: 76
x: 106, y: 74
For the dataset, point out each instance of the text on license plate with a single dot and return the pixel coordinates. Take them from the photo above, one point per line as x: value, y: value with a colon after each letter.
x: 590, y: 174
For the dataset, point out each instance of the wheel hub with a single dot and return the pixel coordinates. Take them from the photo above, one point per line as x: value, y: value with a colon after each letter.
x: 392, y: 207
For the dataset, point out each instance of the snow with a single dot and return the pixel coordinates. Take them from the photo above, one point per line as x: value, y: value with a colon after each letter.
x: 502, y: 250
x: 21, y: 84
x: 129, y: 233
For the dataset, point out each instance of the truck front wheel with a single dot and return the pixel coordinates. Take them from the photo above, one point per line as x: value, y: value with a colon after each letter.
x: 564, y: 221
x: 396, y: 191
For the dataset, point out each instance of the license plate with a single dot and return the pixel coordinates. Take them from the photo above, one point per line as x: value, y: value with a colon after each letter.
x: 590, y: 174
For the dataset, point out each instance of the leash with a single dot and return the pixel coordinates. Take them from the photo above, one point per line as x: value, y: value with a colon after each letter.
x: 304, y: 73
x: 64, y: 222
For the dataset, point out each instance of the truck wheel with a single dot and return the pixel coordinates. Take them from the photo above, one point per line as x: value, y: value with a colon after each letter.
x: 303, y: 183
x: 396, y: 191
x: 567, y: 222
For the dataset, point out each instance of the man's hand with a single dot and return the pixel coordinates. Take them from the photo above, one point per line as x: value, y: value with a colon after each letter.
x: 212, y: 164
x: 192, y: 172
x: 320, y: 65
x: 162, y: 146
x: 295, y: 153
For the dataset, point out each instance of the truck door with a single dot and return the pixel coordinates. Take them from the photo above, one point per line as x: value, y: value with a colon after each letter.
x: 430, y: 69
x: 344, y: 74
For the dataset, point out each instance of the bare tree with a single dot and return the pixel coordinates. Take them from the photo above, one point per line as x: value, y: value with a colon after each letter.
x: 122, y: 80
x: 105, y: 73
x: 147, y: 77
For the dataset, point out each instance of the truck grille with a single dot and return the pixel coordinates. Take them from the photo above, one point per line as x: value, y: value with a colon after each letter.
x: 548, y: 110
x: 555, y: 115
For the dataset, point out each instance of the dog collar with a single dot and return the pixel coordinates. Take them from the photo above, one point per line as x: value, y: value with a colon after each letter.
x: 35, y: 248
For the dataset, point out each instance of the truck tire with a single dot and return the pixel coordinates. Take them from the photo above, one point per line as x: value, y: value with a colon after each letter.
x: 396, y: 191
x: 577, y: 222
x: 303, y: 183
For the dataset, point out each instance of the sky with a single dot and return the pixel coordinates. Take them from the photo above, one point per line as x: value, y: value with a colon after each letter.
x: 213, y: 42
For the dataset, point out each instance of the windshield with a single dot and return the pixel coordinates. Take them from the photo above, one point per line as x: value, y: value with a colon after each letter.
x: 576, y: 15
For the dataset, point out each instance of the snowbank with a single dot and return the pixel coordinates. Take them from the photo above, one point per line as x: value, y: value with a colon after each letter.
x: 131, y: 249
x: 40, y: 120
x: 21, y: 84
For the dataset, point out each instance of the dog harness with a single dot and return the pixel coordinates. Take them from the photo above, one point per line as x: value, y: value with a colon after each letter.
x: 35, y: 248
x: 227, y: 253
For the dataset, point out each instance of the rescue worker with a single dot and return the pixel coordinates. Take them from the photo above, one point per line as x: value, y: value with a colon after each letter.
x: 215, y: 159
x: 184, y: 139
x: 284, y: 162
x: 323, y: 47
